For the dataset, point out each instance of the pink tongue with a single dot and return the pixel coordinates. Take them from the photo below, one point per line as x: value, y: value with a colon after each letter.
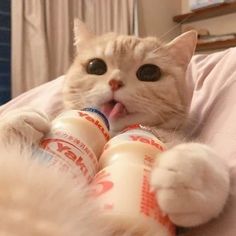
x: 114, y: 111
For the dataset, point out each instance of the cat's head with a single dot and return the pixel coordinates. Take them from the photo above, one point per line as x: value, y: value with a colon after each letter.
x: 130, y: 79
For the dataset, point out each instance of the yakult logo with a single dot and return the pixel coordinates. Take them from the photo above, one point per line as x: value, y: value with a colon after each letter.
x: 101, y: 183
x: 147, y: 140
x: 63, y: 148
x: 96, y: 123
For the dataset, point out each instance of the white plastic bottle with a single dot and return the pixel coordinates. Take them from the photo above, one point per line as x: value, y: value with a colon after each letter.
x: 122, y: 188
x: 75, y: 142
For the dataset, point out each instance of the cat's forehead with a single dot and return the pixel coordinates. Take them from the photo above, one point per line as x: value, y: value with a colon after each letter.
x: 129, y: 47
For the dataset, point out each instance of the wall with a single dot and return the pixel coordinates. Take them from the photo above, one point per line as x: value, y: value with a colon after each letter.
x: 216, y: 25
x: 156, y: 18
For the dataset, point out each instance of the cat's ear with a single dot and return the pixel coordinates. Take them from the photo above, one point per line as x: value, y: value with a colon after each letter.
x: 81, y: 33
x: 182, y: 48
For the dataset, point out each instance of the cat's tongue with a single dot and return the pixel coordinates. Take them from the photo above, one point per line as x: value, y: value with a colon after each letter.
x: 114, y: 111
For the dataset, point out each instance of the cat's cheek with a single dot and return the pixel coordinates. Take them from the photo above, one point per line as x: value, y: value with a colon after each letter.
x: 191, y: 184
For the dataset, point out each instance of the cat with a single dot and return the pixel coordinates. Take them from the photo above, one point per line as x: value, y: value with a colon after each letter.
x: 131, y: 80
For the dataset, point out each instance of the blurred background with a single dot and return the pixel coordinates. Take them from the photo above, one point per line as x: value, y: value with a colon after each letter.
x: 36, y: 36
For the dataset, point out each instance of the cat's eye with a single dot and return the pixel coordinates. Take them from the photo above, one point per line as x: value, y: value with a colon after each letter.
x: 148, y: 72
x: 96, y: 66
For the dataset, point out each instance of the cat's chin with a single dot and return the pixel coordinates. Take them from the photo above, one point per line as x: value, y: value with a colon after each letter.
x: 119, y: 124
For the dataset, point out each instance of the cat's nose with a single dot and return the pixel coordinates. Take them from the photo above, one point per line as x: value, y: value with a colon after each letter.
x: 115, y: 84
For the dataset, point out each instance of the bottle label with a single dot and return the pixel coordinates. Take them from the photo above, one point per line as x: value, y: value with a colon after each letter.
x: 95, y: 122
x: 148, y: 204
x: 93, y: 116
x: 106, y: 188
x: 99, y: 113
x: 70, y: 154
x: 137, y: 136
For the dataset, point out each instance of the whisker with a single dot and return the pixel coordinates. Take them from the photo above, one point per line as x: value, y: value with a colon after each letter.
x: 163, y: 115
x: 145, y: 102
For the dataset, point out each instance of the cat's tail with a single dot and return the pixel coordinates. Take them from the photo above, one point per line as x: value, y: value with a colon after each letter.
x: 39, y: 201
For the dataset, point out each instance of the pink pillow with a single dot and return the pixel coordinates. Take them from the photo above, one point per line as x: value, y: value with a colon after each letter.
x: 212, y: 89
x: 46, y: 97
x: 212, y: 80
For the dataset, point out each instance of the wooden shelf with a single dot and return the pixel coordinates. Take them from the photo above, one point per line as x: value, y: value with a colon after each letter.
x: 218, y: 10
x: 216, y: 45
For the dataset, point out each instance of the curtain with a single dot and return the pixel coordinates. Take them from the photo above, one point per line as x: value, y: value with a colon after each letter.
x: 42, y: 34
x: 111, y: 15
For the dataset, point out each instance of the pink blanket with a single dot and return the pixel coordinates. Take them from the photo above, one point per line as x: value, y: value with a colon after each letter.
x: 47, y: 97
x: 212, y: 89
x: 213, y: 108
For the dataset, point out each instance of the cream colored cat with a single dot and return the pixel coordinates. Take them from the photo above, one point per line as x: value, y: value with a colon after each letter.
x: 132, y: 80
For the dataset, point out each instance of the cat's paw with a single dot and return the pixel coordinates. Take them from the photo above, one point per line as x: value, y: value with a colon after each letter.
x: 191, y: 184
x: 26, y: 124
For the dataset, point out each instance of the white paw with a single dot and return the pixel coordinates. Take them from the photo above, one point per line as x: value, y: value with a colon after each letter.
x: 191, y: 184
x: 26, y: 123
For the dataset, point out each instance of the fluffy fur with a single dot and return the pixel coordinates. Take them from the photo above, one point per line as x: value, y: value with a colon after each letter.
x: 191, y: 179
x: 40, y: 201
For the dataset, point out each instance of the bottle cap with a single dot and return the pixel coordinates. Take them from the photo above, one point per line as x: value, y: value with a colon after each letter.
x: 94, y: 110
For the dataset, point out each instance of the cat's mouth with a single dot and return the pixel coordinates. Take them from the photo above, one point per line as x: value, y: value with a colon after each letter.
x: 114, y: 109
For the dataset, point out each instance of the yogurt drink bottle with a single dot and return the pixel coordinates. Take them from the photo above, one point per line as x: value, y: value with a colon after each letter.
x: 122, y: 188
x: 75, y: 142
